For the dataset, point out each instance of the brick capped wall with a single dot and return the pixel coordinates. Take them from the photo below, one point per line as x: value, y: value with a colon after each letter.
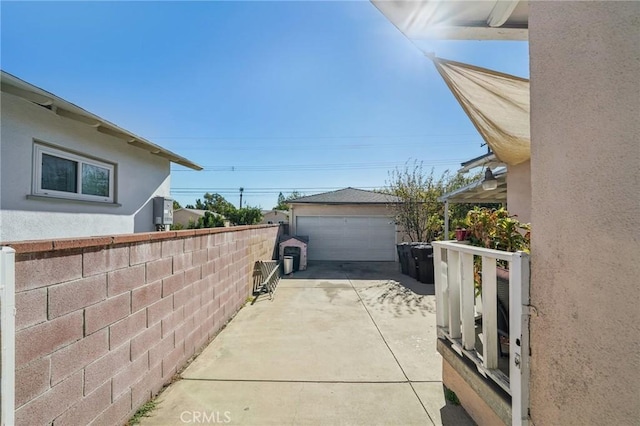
x: 103, y: 323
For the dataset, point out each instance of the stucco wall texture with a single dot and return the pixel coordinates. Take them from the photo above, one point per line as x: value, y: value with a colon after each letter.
x: 585, y: 129
x: 103, y: 323
x: 519, y: 193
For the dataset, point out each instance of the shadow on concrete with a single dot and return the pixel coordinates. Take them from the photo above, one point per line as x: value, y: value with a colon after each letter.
x: 379, y: 284
x: 452, y: 414
x: 400, y: 300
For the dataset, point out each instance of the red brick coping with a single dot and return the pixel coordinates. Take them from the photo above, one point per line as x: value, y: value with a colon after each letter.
x: 35, y: 246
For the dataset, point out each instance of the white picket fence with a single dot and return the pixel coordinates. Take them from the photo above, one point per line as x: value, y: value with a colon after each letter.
x: 8, y: 332
x: 456, y: 315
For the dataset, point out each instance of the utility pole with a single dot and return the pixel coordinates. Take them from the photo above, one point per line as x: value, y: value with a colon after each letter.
x: 241, y: 190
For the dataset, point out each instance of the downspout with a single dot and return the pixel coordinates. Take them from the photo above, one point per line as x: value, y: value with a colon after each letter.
x: 291, y: 220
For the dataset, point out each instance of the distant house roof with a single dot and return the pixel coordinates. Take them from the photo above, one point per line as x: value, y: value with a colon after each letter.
x: 197, y: 212
x: 348, y: 196
x: 285, y: 212
x: 301, y: 238
x: 17, y: 87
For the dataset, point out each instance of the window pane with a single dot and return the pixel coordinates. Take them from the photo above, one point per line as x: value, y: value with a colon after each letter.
x: 59, y: 174
x: 95, y: 180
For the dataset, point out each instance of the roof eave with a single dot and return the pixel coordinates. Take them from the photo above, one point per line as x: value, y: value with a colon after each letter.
x: 18, y: 87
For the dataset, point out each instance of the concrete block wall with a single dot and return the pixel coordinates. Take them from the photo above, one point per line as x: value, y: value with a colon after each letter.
x: 103, y: 323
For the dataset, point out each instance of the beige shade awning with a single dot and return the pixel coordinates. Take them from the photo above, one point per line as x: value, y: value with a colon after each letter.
x: 496, y: 103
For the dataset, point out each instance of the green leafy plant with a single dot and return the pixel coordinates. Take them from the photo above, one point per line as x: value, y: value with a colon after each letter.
x: 495, y: 229
x: 144, y: 411
x: 451, y: 396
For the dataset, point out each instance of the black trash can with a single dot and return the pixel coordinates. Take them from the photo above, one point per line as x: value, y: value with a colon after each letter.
x: 413, y: 264
x: 424, y: 259
x: 403, y: 257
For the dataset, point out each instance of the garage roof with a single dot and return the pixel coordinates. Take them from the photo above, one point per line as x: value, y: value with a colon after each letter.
x: 348, y: 196
x: 17, y: 87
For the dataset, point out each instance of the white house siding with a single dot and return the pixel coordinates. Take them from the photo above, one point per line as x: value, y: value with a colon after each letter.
x: 140, y: 176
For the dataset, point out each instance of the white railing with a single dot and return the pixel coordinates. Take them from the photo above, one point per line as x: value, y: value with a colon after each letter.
x: 8, y: 332
x: 456, y: 313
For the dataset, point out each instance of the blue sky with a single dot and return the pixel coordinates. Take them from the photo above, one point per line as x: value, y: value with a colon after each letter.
x: 269, y: 96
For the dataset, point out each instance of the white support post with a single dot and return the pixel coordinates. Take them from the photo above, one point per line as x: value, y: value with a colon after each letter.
x: 467, y: 300
x: 440, y: 276
x: 453, y: 260
x: 489, y: 313
x: 8, y: 333
x: 446, y: 220
x: 519, y: 339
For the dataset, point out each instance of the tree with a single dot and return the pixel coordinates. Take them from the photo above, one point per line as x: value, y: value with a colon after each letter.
x: 283, y: 202
x: 217, y: 203
x: 419, y: 211
x: 245, y: 216
x: 212, y: 202
x: 209, y: 220
x: 223, y: 209
x: 176, y: 205
x: 420, y: 214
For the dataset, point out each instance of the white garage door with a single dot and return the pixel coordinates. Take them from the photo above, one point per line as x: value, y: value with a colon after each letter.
x: 348, y: 237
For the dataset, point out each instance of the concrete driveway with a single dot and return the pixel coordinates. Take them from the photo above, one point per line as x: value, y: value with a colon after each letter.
x: 341, y: 343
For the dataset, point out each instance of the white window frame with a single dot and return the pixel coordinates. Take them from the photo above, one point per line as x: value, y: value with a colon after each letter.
x: 40, y: 149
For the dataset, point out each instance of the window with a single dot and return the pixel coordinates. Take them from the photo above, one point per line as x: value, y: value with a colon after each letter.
x: 62, y: 174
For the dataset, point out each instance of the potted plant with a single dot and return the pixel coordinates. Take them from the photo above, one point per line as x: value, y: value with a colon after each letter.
x: 461, y: 234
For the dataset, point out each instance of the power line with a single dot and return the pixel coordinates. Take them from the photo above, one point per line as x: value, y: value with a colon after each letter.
x: 313, y: 167
x: 258, y: 191
x: 309, y: 147
x: 428, y: 135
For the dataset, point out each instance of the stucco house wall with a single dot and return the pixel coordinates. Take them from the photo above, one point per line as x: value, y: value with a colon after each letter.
x: 585, y: 132
x: 519, y: 191
x: 274, y: 216
x: 140, y: 176
x: 183, y: 216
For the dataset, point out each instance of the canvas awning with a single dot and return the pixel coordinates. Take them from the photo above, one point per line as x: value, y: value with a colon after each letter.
x: 496, y: 103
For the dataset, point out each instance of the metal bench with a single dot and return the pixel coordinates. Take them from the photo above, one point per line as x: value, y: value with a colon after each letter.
x: 266, y: 274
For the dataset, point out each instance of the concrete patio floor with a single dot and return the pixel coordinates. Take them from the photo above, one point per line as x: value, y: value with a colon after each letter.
x: 342, y: 343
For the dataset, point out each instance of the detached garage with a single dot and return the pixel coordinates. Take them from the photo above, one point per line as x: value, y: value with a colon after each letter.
x: 349, y: 224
